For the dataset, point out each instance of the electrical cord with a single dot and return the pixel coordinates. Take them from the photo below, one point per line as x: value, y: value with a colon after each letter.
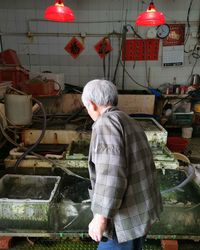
x: 188, y: 24
x: 109, y: 58
x: 104, y: 56
x: 152, y: 90
x: 131, y: 77
x: 124, y: 62
x: 121, y: 46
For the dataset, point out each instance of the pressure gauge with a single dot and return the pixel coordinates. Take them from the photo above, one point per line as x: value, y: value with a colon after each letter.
x: 163, y: 31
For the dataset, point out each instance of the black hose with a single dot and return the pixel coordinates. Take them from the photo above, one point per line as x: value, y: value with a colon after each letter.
x: 1, y: 43
x: 109, y: 55
x: 124, y: 31
x: 38, y: 140
x: 67, y: 171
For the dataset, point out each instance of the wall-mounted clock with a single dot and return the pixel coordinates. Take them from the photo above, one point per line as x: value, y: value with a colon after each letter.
x: 163, y: 31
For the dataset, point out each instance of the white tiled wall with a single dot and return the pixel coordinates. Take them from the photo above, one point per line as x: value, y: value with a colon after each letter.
x: 45, y: 50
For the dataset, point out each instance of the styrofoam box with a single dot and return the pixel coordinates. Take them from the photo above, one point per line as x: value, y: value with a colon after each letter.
x: 58, y: 77
x: 25, y: 200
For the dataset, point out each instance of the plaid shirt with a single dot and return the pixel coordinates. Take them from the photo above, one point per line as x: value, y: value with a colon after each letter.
x: 123, y: 175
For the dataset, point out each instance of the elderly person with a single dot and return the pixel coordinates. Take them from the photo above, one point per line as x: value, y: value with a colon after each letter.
x: 125, y: 198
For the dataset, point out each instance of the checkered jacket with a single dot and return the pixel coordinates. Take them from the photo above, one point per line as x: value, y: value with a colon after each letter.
x: 123, y: 175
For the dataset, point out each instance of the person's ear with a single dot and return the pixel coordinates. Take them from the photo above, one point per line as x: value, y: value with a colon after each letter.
x: 94, y: 106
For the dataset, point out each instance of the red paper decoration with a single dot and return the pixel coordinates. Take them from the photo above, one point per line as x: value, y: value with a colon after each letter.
x: 176, y: 35
x: 140, y: 49
x: 74, y: 47
x: 103, y: 47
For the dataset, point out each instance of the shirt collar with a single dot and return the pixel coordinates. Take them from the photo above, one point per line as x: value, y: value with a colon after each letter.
x: 105, y: 112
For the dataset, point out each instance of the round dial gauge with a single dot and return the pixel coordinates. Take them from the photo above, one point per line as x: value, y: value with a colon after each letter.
x: 163, y: 31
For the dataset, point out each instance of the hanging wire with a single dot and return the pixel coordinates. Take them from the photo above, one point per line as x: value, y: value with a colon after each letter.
x: 131, y: 77
x: 188, y: 26
x: 109, y: 59
x: 121, y: 46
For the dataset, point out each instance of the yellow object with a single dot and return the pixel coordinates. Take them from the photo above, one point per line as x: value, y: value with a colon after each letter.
x: 197, y: 107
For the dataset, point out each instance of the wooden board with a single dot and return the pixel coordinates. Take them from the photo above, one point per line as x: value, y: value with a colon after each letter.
x: 134, y: 104
x: 130, y: 104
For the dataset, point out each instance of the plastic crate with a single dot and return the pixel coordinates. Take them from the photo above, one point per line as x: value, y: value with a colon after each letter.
x: 9, y: 57
x: 16, y: 75
x: 182, y: 118
x: 25, y: 201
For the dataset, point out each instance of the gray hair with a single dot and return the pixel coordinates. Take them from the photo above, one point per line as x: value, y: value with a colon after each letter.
x: 101, y: 92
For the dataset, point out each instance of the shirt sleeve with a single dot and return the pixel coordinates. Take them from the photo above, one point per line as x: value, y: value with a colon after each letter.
x: 110, y: 167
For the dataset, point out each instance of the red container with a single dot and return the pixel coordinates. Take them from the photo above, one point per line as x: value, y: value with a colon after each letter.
x: 17, y: 75
x: 9, y: 57
x: 11, y: 69
x: 177, y: 144
x: 40, y: 89
x: 169, y: 244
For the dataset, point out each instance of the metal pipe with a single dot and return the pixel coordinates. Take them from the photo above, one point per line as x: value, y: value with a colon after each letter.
x: 32, y: 34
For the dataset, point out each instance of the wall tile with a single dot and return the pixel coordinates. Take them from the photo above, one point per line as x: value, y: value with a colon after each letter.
x: 48, y: 50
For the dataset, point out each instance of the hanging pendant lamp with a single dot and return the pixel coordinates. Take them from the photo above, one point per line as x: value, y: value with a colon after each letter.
x: 59, y: 12
x: 151, y: 17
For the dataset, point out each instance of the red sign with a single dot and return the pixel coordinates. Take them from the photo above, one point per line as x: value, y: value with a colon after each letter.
x: 103, y: 47
x: 74, y: 47
x: 176, y: 35
x: 140, y: 49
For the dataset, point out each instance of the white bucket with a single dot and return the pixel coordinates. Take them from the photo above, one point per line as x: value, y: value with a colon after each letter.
x: 18, y: 109
x: 187, y: 132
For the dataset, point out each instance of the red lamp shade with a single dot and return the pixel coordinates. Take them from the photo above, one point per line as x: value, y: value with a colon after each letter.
x: 59, y: 12
x: 151, y: 17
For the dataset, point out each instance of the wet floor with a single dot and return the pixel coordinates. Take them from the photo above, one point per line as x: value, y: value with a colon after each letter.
x: 87, y: 244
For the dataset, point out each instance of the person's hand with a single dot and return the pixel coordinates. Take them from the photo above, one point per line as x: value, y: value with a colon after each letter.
x: 97, y: 227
